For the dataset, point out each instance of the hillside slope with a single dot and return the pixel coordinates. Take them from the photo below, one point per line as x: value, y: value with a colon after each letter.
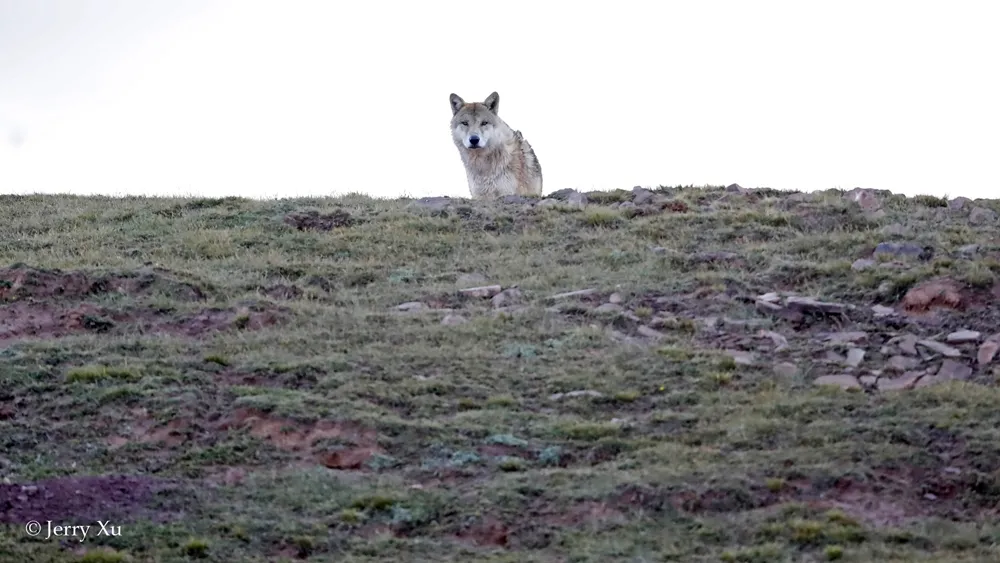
x: 684, y: 374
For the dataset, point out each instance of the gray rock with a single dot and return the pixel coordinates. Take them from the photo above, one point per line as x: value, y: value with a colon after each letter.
x: 862, y: 264
x: 959, y: 203
x: 411, y: 306
x: 548, y: 202
x: 905, y: 381
x: 577, y: 293
x: 507, y: 297
x: 644, y: 330
x: 903, y: 363
x: 482, y: 291
x: 882, y: 310
x: 904, y: 249
x: 577, y: 199
x: 842, y: 381
x: 741, y: 357
x: 615, y: 298
x: 969, y: 250
x: 641, y: 196
x: 855, y: 356
x: 940, y: 348
x: 982, y: 216
x: 453, y: 320
x: 988, y: 349
x: 786, y: 370
x: 609, y: 308
x: 962, y: 337
x: 575, y: 394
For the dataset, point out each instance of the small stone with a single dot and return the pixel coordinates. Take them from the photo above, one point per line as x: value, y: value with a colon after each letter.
x: 846, y: 337
x: 609, y: 308
x: 940, y: 348
x: 906, y: 343
x: 982, y: 216
x: 962, y: 337
x: 574, y: 394
x: 969, y: 250
x: 930, y: 496
x: 903, y: 363
x: 950, y: 369
x: 578, y: 293
x: 905, y: 381
x: 882, y: 310
x: 862, y: 264
x: 644, y: 330
x: 741, y: 357
x: 507, y: 297
x: 411, y: 306
x: 855, y: 356
x: 470, y: 280
x: 453, y: 320
x: 786, y: 369
x: 868, y: 380
x: 780, y: 342
x: 842, y: 381
x: 482, y: 291
x: 988, y: 350
x: 615, y: 298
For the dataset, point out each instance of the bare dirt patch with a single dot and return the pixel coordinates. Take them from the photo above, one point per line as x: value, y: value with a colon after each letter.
x: 21, y: 282
x: 86, y: 499
x: 314, y: 221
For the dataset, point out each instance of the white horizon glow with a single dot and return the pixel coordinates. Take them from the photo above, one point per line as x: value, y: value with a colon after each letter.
x: 309, y: 98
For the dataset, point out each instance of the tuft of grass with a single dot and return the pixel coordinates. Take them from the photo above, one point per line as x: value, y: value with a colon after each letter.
x: 604, y: 218
x: 98, y: 373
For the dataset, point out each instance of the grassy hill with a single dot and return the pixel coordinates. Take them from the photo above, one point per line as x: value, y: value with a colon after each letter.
x: 687, y: 374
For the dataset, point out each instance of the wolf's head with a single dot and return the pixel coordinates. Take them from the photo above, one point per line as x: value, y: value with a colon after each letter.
x: 476, y: 125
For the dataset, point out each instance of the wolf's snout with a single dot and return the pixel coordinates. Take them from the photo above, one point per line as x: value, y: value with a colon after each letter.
x: 474, y: 140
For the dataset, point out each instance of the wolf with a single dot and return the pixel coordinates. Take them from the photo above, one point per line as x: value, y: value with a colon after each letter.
x: 498, y: 160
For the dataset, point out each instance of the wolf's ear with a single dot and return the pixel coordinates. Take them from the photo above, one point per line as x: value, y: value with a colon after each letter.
x: 493, y: 102
x: 456, y: 103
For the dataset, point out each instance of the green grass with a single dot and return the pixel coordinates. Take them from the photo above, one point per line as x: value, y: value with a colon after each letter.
x: 267, y: 374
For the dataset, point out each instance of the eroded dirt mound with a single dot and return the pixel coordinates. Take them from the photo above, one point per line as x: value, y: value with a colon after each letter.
x: 38, y: 303
x: 315, y: 221
x: 85, y: 500
x: 21, y: 282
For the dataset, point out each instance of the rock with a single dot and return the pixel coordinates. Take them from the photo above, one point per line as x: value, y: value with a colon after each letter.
x: 940, y: 292
x: 959, y: 203
x: 907, y: 344
x: 904, y: 249
x: 507, y: 297
x: 470, y: 280
x: 866, y: 199
x: 862, y: 264
x: 574, y: 394
x: 842, y: 381
x: 548, y: 202
x: 741, y: 357
x: 808, y: 305
x: 577, y: 293
x: 609, y: 308
x: 786, y: 369
x: 517, y: 200
x: 882, y: 310
x: 905, y: 381
x: 769, y: 297
x: 626, y: 205
x: 903, y: 363
x: 969, y: 250
x: 736, y: 188
x: 988, y: 349
x: 411, y: 306
x: 982, y: 216
x: 577, y: 199
x: 641, y: 196
x: 962, y: 337
x: 868, y: 380
x: 950, y: 369
x: 453, y: 320
x: 433, y: 203
x: 482, y: 291
x: 780, y: 342
x: 847, y: 337
x: 615, y: 298
x: 855, y: 356
x: 940, y: 348
x: 644, y: 330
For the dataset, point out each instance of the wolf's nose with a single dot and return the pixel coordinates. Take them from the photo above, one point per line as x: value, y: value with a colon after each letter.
x: 474, y: 140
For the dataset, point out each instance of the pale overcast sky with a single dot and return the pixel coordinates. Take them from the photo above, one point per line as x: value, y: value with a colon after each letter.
x: 295, y: 97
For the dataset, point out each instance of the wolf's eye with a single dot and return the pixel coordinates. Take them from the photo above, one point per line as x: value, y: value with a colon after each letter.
x: 485, y: 123
x: 465, y: 123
